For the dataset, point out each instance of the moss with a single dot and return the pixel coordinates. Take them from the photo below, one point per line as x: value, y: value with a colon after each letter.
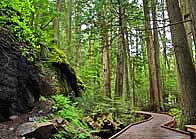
x: 57, y: 55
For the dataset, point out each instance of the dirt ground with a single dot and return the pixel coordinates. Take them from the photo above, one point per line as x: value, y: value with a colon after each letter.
x: 8, y: 129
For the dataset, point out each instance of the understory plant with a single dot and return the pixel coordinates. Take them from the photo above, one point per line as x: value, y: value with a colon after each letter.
x: 66, y: 109
x: 177, y: 113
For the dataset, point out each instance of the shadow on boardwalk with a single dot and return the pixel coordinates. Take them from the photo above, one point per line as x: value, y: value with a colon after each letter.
x: 152, y: 130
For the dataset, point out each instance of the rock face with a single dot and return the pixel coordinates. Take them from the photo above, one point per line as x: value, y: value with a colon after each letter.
x: 19, y: 80
x: 67, y: 76
x: 36, y: 130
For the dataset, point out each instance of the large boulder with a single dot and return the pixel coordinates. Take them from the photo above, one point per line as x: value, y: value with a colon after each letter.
x: 36, y: 130
x: 19, y: 79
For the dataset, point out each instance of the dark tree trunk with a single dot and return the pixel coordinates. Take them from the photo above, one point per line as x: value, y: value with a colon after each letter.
x: 120, y: 55
x: 192, y: 6
x: 184, y: 5
x: 186, y: 69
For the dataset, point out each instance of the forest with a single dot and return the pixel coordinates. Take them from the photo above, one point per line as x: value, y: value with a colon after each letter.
x: 86, y: 69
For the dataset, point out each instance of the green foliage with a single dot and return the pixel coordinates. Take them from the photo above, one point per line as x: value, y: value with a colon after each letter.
x: 29, y: 21
x: 171, y: 99
x: 177, y: 113
x: 85, y: 109
x: 57, y: 55
x: 94, y: 103
x: 119, y: 109
x: 64, y: 108
x: 16, y: 15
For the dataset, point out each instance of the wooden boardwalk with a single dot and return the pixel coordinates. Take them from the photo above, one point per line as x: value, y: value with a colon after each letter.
x: 152, y: 130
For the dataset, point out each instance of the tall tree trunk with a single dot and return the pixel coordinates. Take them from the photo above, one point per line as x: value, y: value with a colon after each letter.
x: 188, y: 26
x: 106, y: 57
x: 127, y: 73
x: 143, y: 48
x: 131, y: 67
x: 69, y: 32
x: 132, y: 75
x: 133, y: 81
x: 192, y: 6
x: 126, y: 54
x: 157, y: 50
x: 65, y: 19
x: 120, y: 54
x: 163, y: 37
x: 154, y: 91
x: 79, y: 36
x: 56, y: 23
x: 165, y: 58
x: 186, y: 69
x: 144, y: 59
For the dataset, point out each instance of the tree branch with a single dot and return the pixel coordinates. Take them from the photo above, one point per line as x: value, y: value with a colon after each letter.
x: 44, y: 26
x: 172, y: 24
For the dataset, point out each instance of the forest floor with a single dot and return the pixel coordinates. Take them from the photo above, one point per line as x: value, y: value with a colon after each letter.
x: 8, y: 129
x: 152, y: 130
x: 148, y: 130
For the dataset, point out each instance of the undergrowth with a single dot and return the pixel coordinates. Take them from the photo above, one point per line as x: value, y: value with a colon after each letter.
x: 177, y: 113
x: 76, y: 129
x: 91, y: 117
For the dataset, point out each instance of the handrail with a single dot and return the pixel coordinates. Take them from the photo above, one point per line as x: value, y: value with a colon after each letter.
x: 165, y: 125
x: 172, y: 122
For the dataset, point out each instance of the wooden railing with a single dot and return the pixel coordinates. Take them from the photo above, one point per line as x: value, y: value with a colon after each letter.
x: 191, y: 129
x: 147, y: 116
x: 171, y: 125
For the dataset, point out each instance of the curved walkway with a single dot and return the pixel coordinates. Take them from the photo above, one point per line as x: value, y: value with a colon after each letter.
x: 152, y: 129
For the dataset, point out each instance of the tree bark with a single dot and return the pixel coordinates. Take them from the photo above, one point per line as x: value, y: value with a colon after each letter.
x: 186, y: 69
x: 143, y: 48
x: 120, y: 54
x: 157, y: 50
x: 127, y: 54
x: 79, y: 37
x: 154, y: 91
x: 69, y: 33
x: 56, y: 23
x: 192, y: 6
x: 188, y: 26
x: 65, y: 19
x: 163, y: 39
x: 106, y: 57
x: 131, y: 67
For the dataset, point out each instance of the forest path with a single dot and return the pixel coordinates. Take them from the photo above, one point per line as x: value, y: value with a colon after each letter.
x: 152, y: 129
